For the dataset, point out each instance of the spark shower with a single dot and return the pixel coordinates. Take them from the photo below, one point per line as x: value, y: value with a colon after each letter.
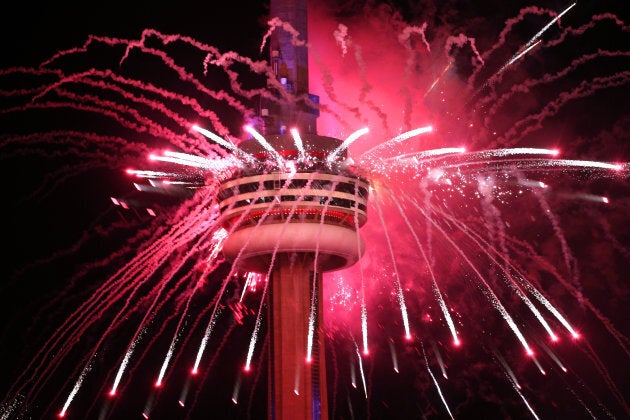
x: 492, y: 279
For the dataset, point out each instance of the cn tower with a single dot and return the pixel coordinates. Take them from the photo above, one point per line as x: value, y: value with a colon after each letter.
x: 295, y: 219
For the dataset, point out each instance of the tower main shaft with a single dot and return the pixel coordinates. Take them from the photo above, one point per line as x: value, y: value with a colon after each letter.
x: 293, y: 213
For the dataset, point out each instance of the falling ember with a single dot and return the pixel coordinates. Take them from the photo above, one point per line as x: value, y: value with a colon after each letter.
x: 237, y: 389
x: 438, y: 356
x: 437, y: 385
x: 392, y: 351
x: 508, y: 370
x: 554, y: 357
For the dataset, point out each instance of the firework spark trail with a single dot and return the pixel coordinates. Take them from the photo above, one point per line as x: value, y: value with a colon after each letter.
x: 530, y: 43
x: 494, y: 255
x: 254, y: 338
x: 438, y: 356
x: 487, y: 290
x: 207, y: 164
x: 435, y: 287
x: 501, y: 41
x: 622, y: 340
x: 360, y: 360
x: 416, y: 160
x: 534, y: 121
x: 507, y: 369
x: 264, y: 143
x: 601, y: 367
x: 76, y: 387
x: 435, y: 382
x: 569, y: 260
x: 276, y: 22
x: 74, y: 144
x: 98, y: 105
x: 530, y: 164
x: 273, y: 84
x: 460, y: 41
x: 206, y: 337
x: 298, y: 143
x: 217, y: 240
x: 157, y: 303
x: 529, y: 407
x: 181, y: 72
x: 391, y: 143
x: 366, y: 87
x: 507, y: 267
x: 595, y: 19
x: 123, y: 283
x: 553, y: 356
x: 313, y: 305
x: 53, y: 342
x: 346, y: 143
x: 233, y: 268
x: 492, y: 103
x: 364, y: 317
x: 219, y: 140
x: 613, y: 239
x: 123, y: 365
x: 210, y: 364
x: 159, y: 130
x: 404, y: 38
x: 397, y: 285
x: 259, y: 374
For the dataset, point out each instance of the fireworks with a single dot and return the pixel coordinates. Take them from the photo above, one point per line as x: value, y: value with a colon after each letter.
x: 491, y: 256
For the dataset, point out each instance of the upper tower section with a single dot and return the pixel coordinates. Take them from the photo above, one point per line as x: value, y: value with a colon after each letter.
x: 289, y: 61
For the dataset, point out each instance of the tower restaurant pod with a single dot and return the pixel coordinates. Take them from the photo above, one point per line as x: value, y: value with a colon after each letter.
x: 308, y: 207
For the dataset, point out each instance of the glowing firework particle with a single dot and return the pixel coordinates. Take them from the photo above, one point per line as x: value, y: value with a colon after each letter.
x: 394, y: 142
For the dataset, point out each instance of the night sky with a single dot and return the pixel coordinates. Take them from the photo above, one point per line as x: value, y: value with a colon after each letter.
x: 64, y: 239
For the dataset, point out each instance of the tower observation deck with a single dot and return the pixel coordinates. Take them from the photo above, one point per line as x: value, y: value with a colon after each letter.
x: 294, y: 211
